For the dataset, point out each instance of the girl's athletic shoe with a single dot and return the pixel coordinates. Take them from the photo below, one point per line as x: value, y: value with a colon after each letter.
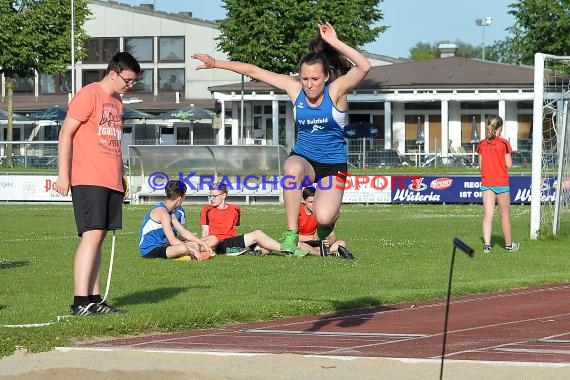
x: 487, y: 248
x: 289, y: 241
x: 513, y: 247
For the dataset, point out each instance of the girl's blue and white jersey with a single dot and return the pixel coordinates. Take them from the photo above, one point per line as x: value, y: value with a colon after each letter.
x: 320, y: 130
x: 151, y: 234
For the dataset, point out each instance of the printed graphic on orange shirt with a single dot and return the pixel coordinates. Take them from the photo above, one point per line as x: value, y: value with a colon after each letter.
x: 110, y: 129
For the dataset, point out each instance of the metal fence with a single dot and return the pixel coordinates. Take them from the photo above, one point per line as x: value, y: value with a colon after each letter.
x: 30, y: 154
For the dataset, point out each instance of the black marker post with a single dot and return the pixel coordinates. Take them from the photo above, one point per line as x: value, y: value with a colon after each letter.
x: 469, y: 252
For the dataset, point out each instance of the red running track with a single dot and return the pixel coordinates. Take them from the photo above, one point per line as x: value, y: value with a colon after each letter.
x: 526, y: 325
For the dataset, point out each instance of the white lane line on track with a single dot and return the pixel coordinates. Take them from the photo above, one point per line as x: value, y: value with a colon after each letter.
x: 334, y: 357
x: 531, y: 350
x: 332, y: 333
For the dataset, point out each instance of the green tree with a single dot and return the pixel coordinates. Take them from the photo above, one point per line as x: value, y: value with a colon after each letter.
x: 540, y: 26
x: 503, y: 51
x: 274, y: 34
x: 36, y: 37
x: 424, y: 51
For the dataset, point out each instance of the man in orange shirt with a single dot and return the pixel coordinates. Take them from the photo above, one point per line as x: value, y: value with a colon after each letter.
x: 91, y: 165
x: 308, y: 231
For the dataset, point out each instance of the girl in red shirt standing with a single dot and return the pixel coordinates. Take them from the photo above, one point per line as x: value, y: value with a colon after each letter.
x: 495, y: 160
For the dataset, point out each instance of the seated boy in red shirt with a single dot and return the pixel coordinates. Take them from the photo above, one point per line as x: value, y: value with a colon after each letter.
x: 220, y: 219
x: 308, y: 231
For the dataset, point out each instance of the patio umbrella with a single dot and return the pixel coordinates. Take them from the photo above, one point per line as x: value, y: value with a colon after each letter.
x: 132, y: 114
x: 15, y: 116
x: 55, y: 113
x: 361, y: 129
x: 474, y: 131
x: 420, y: 136
x: 190, y: 113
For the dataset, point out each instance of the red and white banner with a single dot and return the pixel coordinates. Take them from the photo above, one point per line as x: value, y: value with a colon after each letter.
x: 30, y: 188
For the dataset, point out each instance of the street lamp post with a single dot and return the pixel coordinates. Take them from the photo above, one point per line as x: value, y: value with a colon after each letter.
x: 483, y: 22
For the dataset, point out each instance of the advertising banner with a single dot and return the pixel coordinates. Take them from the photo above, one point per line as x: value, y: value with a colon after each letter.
x: 455, y: 189
x: 367, y: 189
x: 30, y: 188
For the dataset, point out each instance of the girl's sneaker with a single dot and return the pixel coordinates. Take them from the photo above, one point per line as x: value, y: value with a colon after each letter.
x: 487, y: 248
x: 513, y: 247
x: 289, y: 241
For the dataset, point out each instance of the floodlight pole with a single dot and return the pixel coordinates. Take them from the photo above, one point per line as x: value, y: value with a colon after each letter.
x: 484, y: 22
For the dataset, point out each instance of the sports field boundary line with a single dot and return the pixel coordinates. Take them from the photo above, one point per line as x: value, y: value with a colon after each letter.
x: 332, y: 357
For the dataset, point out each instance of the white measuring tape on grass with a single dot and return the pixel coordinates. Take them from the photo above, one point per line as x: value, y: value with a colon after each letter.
x: 61, y: 318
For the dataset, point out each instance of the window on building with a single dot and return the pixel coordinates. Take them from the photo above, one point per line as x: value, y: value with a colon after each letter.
x: 413, y: 127
x: 144, y: 81
x: 23, y: 84
x: 147, y: 135
x: 524, y: 134
x: 51, y: 132
x: 171, y: 79
x: 55, y: 83
x: 171, y: 49
x: 435, y: 143
x: 141, y: 48
x: 182, y: 135
x: 470, y: 130
x: 90, y: 76
x: 101, y: 50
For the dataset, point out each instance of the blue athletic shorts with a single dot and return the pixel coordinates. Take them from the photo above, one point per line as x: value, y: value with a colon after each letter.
x: 496, y: 189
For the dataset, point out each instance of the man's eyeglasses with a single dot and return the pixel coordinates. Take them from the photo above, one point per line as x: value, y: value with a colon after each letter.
x: 213, y: 196
x: 130, y: 82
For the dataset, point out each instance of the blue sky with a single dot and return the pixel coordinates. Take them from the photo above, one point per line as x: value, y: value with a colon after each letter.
x: 410, y: 21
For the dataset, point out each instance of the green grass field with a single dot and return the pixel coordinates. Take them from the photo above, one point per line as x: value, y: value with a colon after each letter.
x: 402, y: 253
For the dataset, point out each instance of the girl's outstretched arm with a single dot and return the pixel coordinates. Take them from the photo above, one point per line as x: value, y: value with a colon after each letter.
x: 283, y: 82
x: 345, y: 83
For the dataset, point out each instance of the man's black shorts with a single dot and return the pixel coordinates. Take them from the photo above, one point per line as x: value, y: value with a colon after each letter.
x: 236, y: 241
x: 97, y: 208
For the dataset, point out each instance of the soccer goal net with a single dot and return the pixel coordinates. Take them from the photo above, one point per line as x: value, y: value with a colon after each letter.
x: 550, y: 192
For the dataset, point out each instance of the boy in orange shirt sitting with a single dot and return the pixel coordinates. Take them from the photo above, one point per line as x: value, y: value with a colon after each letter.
x: 221, y: 218
x: 308, y: 231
